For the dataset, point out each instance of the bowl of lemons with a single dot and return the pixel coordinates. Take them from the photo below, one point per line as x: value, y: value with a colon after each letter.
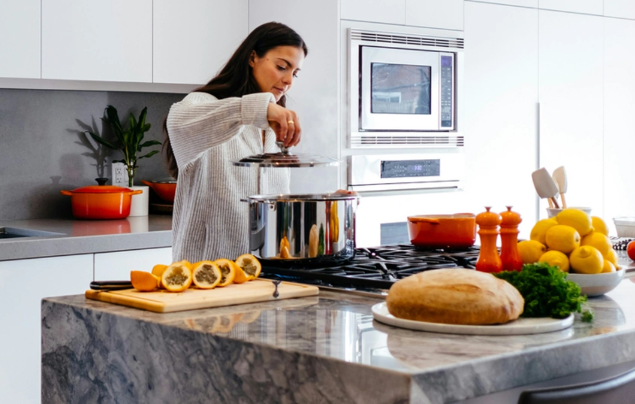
x: 577, y: 243
x: 597, y: 284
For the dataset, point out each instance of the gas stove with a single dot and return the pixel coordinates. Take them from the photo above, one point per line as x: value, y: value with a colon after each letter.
x: 375, y: 269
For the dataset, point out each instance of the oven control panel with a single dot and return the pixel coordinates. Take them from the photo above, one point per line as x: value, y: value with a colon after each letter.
x: 394, y: 172
x: 410, y: 168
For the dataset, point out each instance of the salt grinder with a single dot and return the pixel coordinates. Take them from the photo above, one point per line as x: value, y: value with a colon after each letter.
x: 510, y: 257
x: 488, y: 259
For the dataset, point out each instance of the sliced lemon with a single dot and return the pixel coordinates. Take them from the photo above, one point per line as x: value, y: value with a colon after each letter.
x: 250, y: 265
x: 159, y: 269
x: 206, y: 275
x: 144, y: 281
x: 227, y: 269
x: 177, y: 277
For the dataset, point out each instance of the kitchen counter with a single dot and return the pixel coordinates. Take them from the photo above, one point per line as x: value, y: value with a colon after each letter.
x: 86, y: 236
x: 315, y: 349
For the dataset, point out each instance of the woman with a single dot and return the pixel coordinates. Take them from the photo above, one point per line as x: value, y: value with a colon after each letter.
x: 240, y: 112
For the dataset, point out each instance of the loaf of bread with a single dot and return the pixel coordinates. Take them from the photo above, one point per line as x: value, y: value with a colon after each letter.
x: 455, y: 296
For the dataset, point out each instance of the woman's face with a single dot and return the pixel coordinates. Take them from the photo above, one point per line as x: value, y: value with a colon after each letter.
x: 276, y: 70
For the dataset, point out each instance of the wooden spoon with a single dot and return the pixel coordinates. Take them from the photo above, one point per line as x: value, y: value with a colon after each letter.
x: 560, y: 177
x: 545, y: 186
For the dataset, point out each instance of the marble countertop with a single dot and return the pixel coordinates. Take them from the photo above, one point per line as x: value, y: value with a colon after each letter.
x: 328, y: 341
x: 72, y: 237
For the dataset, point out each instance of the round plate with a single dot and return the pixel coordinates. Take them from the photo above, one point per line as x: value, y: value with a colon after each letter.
x: 517, y: 327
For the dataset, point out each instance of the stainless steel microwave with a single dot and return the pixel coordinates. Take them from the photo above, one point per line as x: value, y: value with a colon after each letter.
x: 404, y: 86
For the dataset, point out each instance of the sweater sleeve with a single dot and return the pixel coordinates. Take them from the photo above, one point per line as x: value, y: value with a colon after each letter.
x: 202, y: 121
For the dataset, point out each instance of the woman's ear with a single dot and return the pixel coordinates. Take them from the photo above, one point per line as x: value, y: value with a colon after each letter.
x: 252, y: 59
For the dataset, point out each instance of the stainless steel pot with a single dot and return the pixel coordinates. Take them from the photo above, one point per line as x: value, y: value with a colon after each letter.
x: 303, y: 230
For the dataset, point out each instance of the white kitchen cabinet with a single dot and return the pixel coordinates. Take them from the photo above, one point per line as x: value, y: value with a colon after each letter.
x: 619, y: 8
x: 575, y: 6
x: 501, y: 98
x: 446, y: 14
x: 117, y: 265
x: 97, y: 40
x: 192, y: 39
x: 619, y: 120
x: 23, y: 284
x: 20, y: 33
x: 572, y: 103
x: 385, y: 11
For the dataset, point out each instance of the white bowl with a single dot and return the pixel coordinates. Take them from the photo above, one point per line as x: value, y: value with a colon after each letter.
x: 552, y: 212
x: 625, y: 226
x: 597, y: 284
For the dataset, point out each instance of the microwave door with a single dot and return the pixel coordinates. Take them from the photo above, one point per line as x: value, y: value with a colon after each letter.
x: 399, y: 89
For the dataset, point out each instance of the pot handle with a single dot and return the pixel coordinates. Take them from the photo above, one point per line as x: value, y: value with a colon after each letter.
x: 136, y: 192
x: 148, y: 183
x: 67, y: 193
x: 425, y: 220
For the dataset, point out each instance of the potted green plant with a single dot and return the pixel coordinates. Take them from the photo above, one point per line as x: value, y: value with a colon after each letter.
x: 129, y: 139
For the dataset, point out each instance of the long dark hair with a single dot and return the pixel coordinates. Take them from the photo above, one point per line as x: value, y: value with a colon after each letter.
x: 236, y: 78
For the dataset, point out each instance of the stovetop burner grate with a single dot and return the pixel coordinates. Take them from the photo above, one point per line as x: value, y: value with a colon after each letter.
x: 377, y: 267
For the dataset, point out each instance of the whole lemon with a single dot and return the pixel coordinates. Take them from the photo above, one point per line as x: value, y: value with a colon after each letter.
x: 539, y: 231
x: 611, y: 256
x: 599, y: 225
x: 579, y: 220
x: 599, y: 241
x: 608, y: 267
x: 586, y: 260
x: 530, y: 251
x: 562, y: 238
x: 556, y: 259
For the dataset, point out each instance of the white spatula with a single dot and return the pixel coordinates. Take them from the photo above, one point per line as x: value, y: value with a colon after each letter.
x: 545, y: 186
x: 560, y: 177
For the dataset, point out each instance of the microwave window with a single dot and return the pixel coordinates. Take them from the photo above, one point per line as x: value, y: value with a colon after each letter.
x: 400, y: 89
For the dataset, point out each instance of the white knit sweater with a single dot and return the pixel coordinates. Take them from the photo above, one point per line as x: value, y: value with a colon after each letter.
x: 209, y: 220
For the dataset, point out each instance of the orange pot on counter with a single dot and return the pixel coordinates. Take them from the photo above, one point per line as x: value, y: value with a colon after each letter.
x: 442, y: 231
x: 101, y: 201
x: 166, y: 189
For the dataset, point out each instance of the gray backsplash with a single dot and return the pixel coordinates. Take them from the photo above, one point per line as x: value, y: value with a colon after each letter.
x: 43, y: 149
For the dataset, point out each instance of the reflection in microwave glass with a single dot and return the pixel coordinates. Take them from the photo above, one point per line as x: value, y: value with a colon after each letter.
x: 400, y: 89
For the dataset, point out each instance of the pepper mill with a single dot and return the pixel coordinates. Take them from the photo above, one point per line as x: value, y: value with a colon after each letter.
x: 488, y: 259
x: 510, y: 257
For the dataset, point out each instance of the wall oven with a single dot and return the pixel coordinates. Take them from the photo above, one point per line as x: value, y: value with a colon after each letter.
x: 404, y: 89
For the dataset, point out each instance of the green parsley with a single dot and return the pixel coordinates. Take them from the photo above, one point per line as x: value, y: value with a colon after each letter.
x: 546, y: 291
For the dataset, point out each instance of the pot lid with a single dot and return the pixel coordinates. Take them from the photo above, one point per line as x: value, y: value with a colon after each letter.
x: 286, y: 159
x: 302, y: 197
x: 101, y: 189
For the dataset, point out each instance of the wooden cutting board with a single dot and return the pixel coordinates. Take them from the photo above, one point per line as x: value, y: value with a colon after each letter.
x: 161, y: 301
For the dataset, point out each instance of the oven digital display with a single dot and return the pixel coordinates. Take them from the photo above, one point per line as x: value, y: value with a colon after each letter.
x: 410, y: 168
x: 400, y: 89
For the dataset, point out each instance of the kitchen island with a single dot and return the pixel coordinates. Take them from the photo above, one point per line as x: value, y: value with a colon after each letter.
x: 324, y: 349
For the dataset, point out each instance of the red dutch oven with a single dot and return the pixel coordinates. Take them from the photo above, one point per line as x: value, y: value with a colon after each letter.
x: 443, y: 231
x: 166, y: 189
x: 101, y: 201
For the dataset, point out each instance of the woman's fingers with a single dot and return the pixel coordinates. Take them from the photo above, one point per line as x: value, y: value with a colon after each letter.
x: 285, y: 123
x: 293, y: 141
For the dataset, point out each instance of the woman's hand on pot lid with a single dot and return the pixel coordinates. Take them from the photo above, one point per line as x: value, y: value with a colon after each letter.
x: 285, y: 123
